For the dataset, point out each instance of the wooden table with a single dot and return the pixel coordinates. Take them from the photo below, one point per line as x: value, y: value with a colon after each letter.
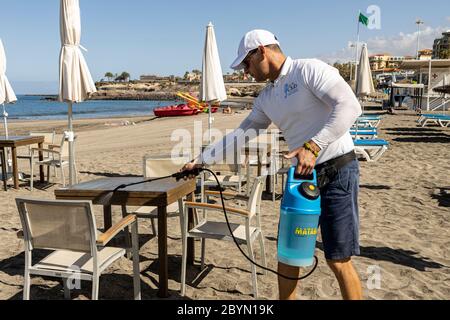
x: 18, y: 141
x: 158, y: 193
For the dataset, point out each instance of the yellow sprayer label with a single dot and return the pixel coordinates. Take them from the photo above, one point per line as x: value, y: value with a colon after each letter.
x: 302, y: 232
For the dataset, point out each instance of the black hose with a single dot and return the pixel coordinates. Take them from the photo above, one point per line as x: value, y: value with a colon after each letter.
x: 196, y: 172
x: 240, y: 249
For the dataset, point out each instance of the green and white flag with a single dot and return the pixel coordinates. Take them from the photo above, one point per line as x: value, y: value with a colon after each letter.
x: 363, y: 19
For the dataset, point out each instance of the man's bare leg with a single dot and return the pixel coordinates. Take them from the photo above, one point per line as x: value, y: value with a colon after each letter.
x: 348, y: 279
x: 287, y: 288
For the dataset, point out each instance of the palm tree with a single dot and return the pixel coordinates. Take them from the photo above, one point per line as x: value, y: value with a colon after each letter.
x: 344, y: 70
x: 124, y: 76
x: 109, y: 75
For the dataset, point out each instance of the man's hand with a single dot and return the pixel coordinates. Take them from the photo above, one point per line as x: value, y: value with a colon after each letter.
x: 306, y: 160
x: 189, y: 167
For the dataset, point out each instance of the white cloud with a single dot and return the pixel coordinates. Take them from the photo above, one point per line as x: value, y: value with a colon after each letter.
x: 398, y: 45
x: 405, y: 44
x: 342, y: 55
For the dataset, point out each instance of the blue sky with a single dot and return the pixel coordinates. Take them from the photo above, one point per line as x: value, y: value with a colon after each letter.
x: 166, y: 37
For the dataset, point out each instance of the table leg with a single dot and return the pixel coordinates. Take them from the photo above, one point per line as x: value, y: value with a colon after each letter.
x: 269, y: 184
x: 15, y: 168
x: 269, y: 176
x: 127, y: 233
x: 190, y: 241
x: 41, y: 167
x: 259, y: 171
x: 4, y: 169
x: 107, y: 217
x: 248, y: 178
x: 162, y: 253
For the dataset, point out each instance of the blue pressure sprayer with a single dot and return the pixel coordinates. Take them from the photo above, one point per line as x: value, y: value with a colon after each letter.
x: 299, y: 220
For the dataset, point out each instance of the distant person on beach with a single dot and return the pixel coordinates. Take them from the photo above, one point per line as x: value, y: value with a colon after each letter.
x: 314, y: 108
x: 227, y: 110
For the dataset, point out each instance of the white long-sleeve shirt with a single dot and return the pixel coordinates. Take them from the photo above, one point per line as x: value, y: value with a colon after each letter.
x: 308, y: 101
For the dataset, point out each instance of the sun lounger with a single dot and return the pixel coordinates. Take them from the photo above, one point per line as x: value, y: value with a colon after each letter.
x: 439, y: 119
x: 444, y: 122
x: 365, y: 133
x: 370, y: 150
x: 368, y: 121
x: 425, y: 116
x: 366, y: 130
x: 370, y: 117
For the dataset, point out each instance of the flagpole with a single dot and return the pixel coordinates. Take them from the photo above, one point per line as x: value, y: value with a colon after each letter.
x: 356, y: 51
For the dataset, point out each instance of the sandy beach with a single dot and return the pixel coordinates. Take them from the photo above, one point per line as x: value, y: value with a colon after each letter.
x: 404, y: 214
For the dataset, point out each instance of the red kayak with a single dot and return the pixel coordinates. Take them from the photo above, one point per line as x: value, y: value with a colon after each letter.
x: 175, y: 111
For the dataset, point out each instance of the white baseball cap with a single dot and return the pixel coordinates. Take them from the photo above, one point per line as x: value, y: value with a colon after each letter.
x: 251, y: 41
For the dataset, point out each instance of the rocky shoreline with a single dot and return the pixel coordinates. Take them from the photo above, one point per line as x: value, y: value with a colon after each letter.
x: 138, y: 90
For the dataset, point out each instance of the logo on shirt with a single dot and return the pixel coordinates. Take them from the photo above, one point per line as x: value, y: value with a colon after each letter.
x: 290, y: 89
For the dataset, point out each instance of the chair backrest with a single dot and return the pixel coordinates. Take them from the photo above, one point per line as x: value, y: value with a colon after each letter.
x: 49, y: 137
x: 163, y: 165
x: 64, y: 145
x: 255, y: 195
x: 233, y: 163
x: 58, y: 224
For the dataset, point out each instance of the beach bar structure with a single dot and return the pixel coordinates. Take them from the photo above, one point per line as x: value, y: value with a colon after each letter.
x: 437, y: 74
x: 401, y: 90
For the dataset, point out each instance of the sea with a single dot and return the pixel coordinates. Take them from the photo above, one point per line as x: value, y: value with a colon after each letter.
x: 35, y: 107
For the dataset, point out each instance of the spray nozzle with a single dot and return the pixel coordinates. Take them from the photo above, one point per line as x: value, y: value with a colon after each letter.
x: 187, y: 173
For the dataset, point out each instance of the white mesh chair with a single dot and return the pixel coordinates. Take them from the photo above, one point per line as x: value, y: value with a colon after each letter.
x: 160, y: 166
x: 230, y: 172
x: 247, y: 233
x: 79, y: 253
x: 49, y: 140
x: 58, y: 158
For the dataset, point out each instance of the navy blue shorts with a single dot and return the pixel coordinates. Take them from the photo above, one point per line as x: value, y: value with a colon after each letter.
x: 339, y: 220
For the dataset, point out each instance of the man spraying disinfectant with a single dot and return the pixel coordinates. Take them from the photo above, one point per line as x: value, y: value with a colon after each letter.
x: 314, y: 108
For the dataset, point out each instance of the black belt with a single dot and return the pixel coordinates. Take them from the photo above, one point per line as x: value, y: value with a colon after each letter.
x: 327, y: 170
